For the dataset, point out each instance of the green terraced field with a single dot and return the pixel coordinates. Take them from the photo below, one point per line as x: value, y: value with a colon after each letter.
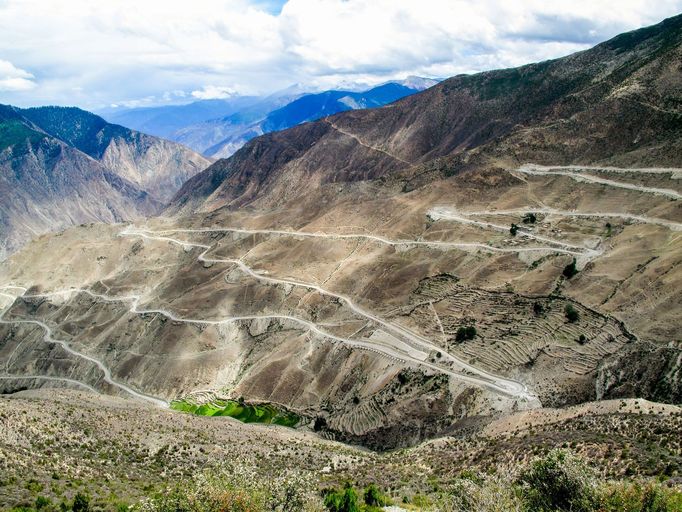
x: 262, y: 413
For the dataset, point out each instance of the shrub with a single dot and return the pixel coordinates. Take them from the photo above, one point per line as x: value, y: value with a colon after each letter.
x: 42, y: 502
x: 373, y: 496
x: 529, y: 218
x: 342, y: 501
x: 81, y: 503
x: 513, y: 229
x: 537, y: 308
x: 558, y: 482
x: 571, y: 313
x: 465, y: 333
x: 633, y: 497
x: 570, y: 270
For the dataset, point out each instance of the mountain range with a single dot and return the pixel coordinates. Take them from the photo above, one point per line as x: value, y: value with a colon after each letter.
x: 492, y: 265
x: 217, y: 128
x: 65, y: 166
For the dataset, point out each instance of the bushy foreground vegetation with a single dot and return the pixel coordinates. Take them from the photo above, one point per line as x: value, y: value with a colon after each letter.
x: 557, y: 482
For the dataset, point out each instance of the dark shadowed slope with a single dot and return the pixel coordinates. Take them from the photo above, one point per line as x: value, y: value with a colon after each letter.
x: 619, y: 102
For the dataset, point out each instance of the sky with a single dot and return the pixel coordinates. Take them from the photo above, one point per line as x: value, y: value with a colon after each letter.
x: 100, y: 54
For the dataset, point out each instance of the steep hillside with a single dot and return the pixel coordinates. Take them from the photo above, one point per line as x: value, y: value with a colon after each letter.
x: 156, y: 165
x: 64, y: 166
x: 619, y: 102
x: 47, y: 185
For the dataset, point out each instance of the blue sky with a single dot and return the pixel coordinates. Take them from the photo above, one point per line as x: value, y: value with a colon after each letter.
x: 96, y: 53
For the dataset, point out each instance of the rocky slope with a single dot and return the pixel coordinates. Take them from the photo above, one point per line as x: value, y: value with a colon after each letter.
x: 65, y: 166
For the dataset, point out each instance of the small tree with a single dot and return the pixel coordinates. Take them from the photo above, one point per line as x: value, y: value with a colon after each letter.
x: 342, y: 501
x: 42, y: 502
x: 465, y: 333
x: 570, y: 270
x: 571, y: 313
x: 537, y: 308
x: 513, y: 229
x: 373, y: 496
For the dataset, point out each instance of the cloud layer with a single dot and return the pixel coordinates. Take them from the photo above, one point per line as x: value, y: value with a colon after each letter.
x: 132, y: 52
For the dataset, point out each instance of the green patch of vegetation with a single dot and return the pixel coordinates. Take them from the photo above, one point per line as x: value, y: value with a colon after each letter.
x: 15, y: 133
x: 513, y: 229
x: 465, y: 333
x: 347, y: 500
x: 559, y: 481
x: 248, y: 413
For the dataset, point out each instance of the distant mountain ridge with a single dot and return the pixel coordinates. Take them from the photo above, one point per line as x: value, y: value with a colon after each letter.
x: 62, y: 166
x: 217, y: 128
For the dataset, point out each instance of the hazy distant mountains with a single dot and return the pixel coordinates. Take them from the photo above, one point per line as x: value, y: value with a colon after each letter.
x: 64, y: 166
x: 217, y: 128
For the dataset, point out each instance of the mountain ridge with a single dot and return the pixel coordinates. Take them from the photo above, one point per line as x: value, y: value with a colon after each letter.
x: 63, y: 166
x: 515, y: 114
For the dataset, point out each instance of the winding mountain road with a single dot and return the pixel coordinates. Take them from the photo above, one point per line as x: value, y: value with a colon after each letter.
x: 47, y: 377
x: 643, y: 219
x: 445, y: 213
x: 475, y: 375
x: 576, y: 173
x: 48, y: 338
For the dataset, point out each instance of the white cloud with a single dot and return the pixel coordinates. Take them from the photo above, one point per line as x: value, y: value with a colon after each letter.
x: 98, y: 53
x: 214, y: 92
x: 13, y: 79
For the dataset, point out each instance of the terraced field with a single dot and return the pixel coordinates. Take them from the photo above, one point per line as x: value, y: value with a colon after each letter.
x: 247, y: 413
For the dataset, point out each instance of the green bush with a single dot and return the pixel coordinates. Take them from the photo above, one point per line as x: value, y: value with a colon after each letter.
x: 81, y: 503
x: 571, y: 313
x: 558, y: 482
x: 42, y: 502
x: 634, y: 497
x: 345, y: 500
x: 373, y: 496
x: 513, y: 229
